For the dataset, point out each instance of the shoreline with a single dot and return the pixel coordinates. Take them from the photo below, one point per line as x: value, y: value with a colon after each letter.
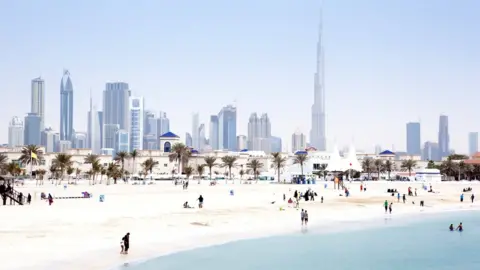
x: 346, y: 226
x: 58, y: 238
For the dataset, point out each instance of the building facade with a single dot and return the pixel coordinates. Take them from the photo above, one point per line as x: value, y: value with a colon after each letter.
x: 136, y: 123
x: 227, y: 128
x: 242, y: 142
x: 38, y: 99
x: 259, y: 133
x: 299, y: 142
x: 414, y: 146
x: 123, y: 141
x: 116, y: 104
x: 472, y: 143
x: 16, y: 132
x: 33, y: 124
x: 66, y: 107
x: 50, y: 140
x: 443, y: 137
x: 213, y: 132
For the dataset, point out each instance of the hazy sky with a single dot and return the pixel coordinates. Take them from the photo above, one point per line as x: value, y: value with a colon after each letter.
x: 387, y: 62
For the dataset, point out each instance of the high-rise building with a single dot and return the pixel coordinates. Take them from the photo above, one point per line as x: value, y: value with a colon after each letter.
x: 472, y: 143
x: 213, y: 136
x: 16, y: 132
x: 431, y: 151
x: 66, y: 107
x: 136, y: 123
x: 64, y: 146
x: 259, y: 133
x: 150, y: 131
x: 123, y: 141
x: 378, y: 149
x: 241, y: 142
x: 50, y: 140
x: 80, y: 141
x: 299, y: 141
x: 38, y: 99
x: 201, y: 137
x: 414, y: 143
x: 33, y: 124
x: 195, y: 126
x: 318, y: 133
x: 188, y: 139
x: 110, y: 136
x: 276, y: 144
x: 227, y: 128
x: 94, y: 128
x: 443, y: 137
x: 164, y: 123
x: 116, y: 105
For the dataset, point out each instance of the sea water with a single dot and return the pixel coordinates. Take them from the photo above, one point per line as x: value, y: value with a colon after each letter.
x: 399, y: 242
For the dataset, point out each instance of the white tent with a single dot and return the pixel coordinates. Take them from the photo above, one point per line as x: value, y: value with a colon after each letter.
x: 336, y: 164
x: 351, y: 161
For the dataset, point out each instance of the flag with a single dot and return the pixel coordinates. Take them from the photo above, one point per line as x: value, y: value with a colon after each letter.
x: 33, y: 155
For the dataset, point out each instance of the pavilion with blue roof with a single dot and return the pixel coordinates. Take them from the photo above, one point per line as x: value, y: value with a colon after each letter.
x: 167, y: 140
x: 387, y: 153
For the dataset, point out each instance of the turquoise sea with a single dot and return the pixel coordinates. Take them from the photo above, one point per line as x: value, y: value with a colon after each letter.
x: 400, y: 242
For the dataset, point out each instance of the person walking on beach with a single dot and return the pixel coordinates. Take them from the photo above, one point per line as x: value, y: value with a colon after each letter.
x: 461, y: 197
x: 126, y: 243
x: 29, y: 198
x: 390, y: 208
x: 200, y: 201
x: 404, y: 198
x: 415, y: 192
x: 306, y: 217
x: 302, y: 217
x: 398, y: 197
x: 472, y: 197
x: 385, y: 204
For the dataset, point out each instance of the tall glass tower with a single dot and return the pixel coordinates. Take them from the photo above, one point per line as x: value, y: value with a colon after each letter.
x: 443, y: 136
x: 66, y: 107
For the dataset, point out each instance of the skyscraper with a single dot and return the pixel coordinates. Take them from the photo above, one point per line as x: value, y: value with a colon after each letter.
x: 136, y: 123
x: 122, y: 141
x: 38, y: 99
x: 472, y: 143
x: 318, y: 133
x: 213, y: 136
x: 116, y: 104
x: 66, y: 107
x: 32, y: 130
x: 227, y: 128
x: 16, y: 132
x: 276, y: 144
x: 201, y: 137
x: 259, y: 133
x: 80, y: 140
x: 195, y: 126
x: 188, y: 139
x: 164, y: 124
x: 443, y: 137
x: 414, y: 143
x: 431, y: 151
x: 299, y: 141
x: 50, y: 140
x: 241, y: 142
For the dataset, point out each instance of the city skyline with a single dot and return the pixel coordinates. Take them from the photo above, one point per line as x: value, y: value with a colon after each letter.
x: 376, y: 54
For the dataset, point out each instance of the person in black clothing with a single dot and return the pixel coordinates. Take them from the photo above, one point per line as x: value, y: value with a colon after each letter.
x: 29, y: 198
x: 200, y: 201
x: 126, y: 243
x: 472, y: 197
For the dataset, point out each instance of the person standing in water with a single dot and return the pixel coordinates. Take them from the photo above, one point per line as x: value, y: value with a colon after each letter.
x: 460, y: 227
x: 451, y: 227
x: 385, y: 204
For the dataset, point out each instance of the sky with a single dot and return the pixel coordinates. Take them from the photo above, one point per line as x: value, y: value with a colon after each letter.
x: 386, y: 62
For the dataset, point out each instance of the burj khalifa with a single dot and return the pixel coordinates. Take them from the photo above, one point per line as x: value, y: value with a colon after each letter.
x: 317, y: 133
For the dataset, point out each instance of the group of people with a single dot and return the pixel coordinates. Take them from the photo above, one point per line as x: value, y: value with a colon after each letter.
x: 472, y: 197
x: 7, y: 191
x: 459, y: 227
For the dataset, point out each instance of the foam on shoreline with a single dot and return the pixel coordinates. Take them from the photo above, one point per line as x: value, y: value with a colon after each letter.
x: 85, y: 234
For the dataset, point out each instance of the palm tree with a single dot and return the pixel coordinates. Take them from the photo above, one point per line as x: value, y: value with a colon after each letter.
x: 379, y: 167
x: 448, y: 168
x: 78, y: 171
x: 200, y: 171
x: 210, y: 162
x: 70, y: 170
x: 103, y: 171
x: 112, y: 171
x: 229, y: 162
x: 180, y: 154
x: 121, y: 157
x: 461, y: 169
x: 367, y: 166
x: 134, y: 154
x: 431, y: 165
x: 188, y: 171
x: 53, y: 172
x: 388, y: 167
x: 13, y: 168
x: 409, y: 165
x: 278, y: 163
x: 3, y: 162
x: 94, y: 160
x: 241, y: 173
x: 255, y: 165
x: 300, y: 159
x: 26, y: 157
x: 62, y: 162
x: 41, y: 173
x: 148, y: 166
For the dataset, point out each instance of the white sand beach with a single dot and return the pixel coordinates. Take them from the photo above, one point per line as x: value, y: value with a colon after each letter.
x: 85, y: 233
